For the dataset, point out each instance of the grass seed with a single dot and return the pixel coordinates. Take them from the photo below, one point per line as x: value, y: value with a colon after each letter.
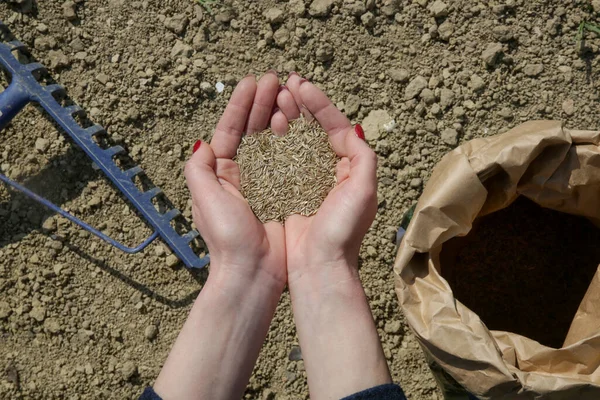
x: 285, y: 175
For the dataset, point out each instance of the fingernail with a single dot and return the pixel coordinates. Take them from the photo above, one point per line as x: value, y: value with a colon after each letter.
x: 196, y: 146
x: 250, y: 76
x: 282, y: 88
x: 272, y: 71
x: 303, y: 80
x: 293, y: 73
x: 358, y: 130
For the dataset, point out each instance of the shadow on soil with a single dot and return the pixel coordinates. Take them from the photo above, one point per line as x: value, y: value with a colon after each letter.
x: 62, y: 180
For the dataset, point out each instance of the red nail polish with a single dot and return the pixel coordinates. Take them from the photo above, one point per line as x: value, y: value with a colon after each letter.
x: 196, y: 146
x: 282, y: 88
x: 358, y: 130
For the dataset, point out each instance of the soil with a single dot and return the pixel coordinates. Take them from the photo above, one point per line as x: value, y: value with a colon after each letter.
x: 524, y: 269
x: 81, y: 320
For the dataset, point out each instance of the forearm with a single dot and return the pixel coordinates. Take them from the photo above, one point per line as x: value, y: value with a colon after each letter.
x: 215, y: 352
x: 340, y: 345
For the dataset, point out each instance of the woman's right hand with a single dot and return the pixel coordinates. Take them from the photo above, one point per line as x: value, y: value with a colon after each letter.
x: 332, y: 237
x: 340, y: 345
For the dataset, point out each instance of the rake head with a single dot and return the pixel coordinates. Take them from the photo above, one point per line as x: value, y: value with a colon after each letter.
x: 25, y: 87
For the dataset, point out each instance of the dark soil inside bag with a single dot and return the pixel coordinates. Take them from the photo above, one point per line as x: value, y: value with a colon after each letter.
x: 524, y: 269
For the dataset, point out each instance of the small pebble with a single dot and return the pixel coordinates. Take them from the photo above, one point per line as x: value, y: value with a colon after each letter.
x: 568, y: 107
x: 150, y: 332
x: 41, y: 145
x: 295, y: 354
x: 172, y: 261
x: 128, y: 370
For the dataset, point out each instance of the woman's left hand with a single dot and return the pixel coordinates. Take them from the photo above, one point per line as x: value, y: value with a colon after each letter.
x: 240, y: 246
x: 218, y: 346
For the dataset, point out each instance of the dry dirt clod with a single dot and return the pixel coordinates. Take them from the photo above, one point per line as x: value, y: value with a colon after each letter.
x: 393, y: 327
x: 128, y: 370
x: 533, y: 70
x: 69, y: 12
x: 568, y: 107
x: 41, y: 145
x: 415, y: 87
x: 477, y: 83
x: 274, y: 15
x: 503, y: 33
x: 150, y: 332
x: 5, y: 310
x: 374, y: 124
x: 172, y: 261
x: 399, y: 75
x: 439, y: 9
x: 446, y: 98
x: 446, y: 30
x: 352, y: 105
x: 491, y: 55
x: 320, y: 8
x: 368, y: 19
x: 450, y: 137
x: 38, y: 313
x: 176, y: 23
x: 58, y: 59
x: 52, y: 325
x: 390, y: 7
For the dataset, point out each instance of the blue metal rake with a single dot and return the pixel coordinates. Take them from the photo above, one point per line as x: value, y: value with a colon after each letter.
x: 25, y: 88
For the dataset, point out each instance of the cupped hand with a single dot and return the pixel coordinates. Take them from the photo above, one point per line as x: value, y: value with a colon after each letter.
x: 239, y: 244
x: 331, y: 237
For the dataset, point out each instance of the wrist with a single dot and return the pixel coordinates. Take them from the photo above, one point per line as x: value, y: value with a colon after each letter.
x: 247, y: 285
x: 340, y: 345
x: 218, y: 346
x: 323, y: 274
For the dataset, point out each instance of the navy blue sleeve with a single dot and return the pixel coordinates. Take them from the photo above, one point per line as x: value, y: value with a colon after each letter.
x: 383, y: 392
x: 149, y: 394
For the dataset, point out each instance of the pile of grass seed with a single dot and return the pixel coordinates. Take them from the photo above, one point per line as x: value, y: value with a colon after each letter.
x: 285, y: 175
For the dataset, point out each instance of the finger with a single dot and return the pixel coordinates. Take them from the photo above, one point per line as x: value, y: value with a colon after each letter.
x: 332, y: 120
x: 200, y: 175
x: 279, y: 123
x: 228, y: 133
x: 287, y: 104
x: 293, y: 83
x: 363, y: 165
x: 264, y: 99
x: 228, y: 172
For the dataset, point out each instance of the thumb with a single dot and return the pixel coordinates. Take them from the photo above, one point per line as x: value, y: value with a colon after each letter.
x: 363, y: 164
x: 200, y: 174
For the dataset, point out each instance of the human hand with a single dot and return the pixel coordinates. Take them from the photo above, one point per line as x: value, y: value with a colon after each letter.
x: 341, y: 349
x: 240, y: 245
x: 332, y: 237
x: 217, y: 347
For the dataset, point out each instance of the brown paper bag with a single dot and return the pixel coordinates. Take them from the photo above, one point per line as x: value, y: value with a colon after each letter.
x: 556, y: 168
